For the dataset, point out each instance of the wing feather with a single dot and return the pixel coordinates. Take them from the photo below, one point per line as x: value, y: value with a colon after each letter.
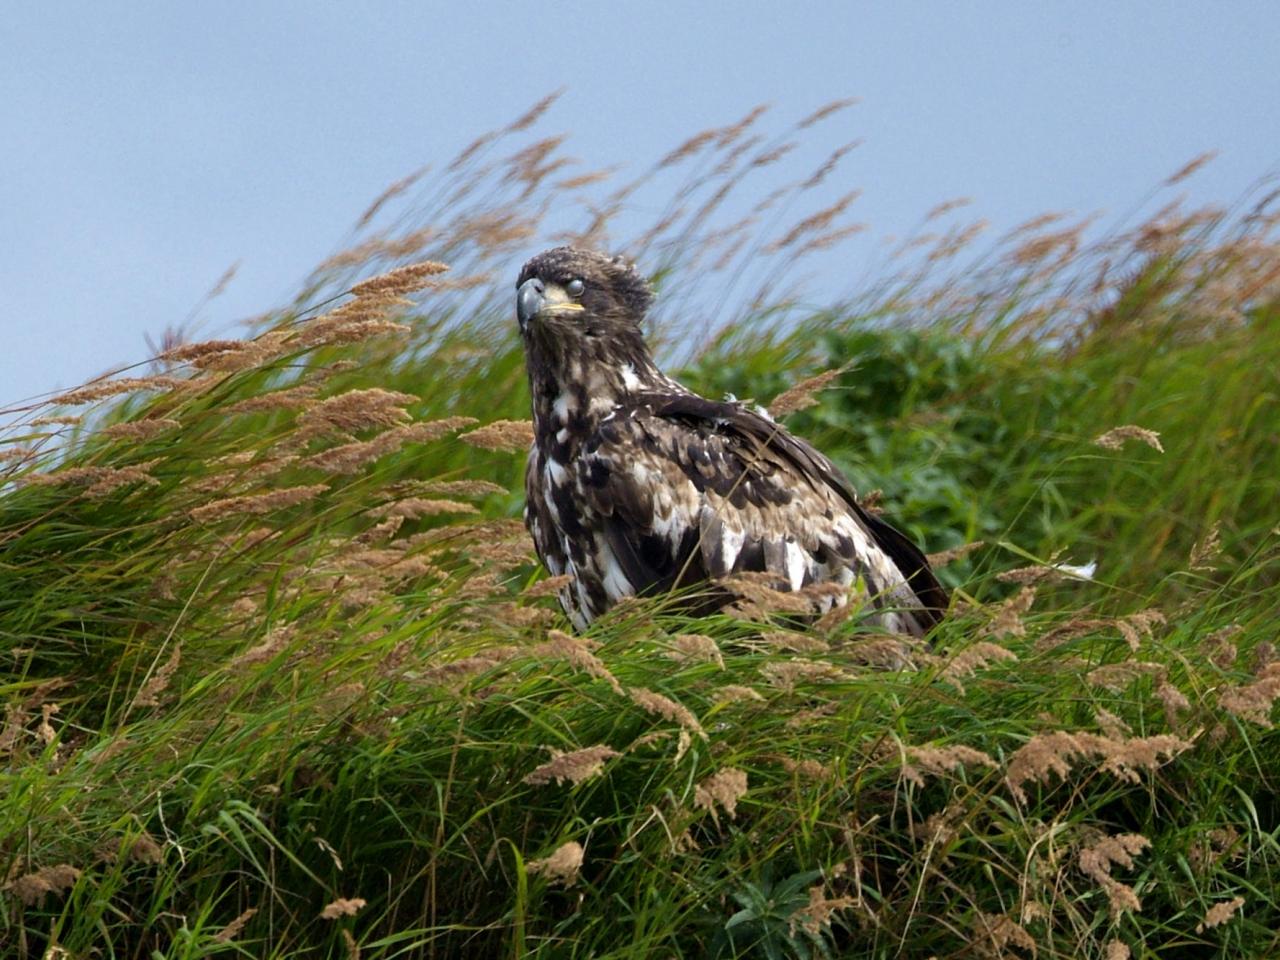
x: 686, y: 489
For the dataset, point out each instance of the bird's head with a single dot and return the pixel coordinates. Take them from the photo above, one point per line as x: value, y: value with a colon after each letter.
x: 567, y: 294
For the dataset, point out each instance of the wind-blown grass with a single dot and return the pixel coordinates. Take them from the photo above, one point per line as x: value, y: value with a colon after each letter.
x: 281, y: 678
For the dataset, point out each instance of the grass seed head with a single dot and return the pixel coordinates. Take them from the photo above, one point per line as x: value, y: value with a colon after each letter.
x: 574, y: 766
x: 561, y: 867
x: 1097, y: 860
x: 1114, y: 438
x: 501, y: 435
x: 400, y: 281
x: 32, y: 888
x: 724, y: 788
x: 342, y: 907
x: 1219, y: 914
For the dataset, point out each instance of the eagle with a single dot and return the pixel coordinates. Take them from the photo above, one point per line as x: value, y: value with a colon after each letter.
x: 636, y: 485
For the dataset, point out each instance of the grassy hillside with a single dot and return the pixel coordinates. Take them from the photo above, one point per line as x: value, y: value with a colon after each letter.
x: 281, y: 678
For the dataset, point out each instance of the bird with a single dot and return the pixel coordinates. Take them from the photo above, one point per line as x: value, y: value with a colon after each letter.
x: 637, y: 485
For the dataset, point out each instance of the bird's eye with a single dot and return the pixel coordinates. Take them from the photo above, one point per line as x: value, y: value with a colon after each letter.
x: 574, y: 288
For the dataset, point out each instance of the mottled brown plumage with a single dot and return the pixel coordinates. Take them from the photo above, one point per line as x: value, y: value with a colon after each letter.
x: 636, y: 484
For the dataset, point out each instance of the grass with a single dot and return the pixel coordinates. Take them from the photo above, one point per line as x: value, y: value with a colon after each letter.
x: 280, y: 680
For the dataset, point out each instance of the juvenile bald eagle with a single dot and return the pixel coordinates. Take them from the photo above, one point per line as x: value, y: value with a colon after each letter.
x: 636, y: 484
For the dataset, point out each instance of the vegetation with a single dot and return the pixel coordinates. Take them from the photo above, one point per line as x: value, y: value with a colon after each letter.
x: 281, y: 678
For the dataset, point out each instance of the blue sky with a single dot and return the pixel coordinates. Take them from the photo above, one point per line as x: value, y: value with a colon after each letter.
x: 150, y: 145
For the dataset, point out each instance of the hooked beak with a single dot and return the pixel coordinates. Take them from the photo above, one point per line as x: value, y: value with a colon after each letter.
x: 535, y: 298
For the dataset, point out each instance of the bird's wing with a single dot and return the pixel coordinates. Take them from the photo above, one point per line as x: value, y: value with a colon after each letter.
x: 687, y: 489
x: 814, y: 466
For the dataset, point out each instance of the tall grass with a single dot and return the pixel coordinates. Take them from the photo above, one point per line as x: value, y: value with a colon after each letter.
x: 281, y: 678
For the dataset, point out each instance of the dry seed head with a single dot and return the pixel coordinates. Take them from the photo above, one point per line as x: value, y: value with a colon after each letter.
x: 956, y: 240
x: 1114, y: 438
x: 1069, y: 631
x: 15, y: 722
x: 1137, y: 625
x: 937, y: 761
x: 881, y: 653
x: 758, y: 596
x: 585, y: 179
x: 534, y: 113
x: 944, y: 557
x: 826, y: 110
x: 413, y: 508
x: 149, y: 695
x: 186, y: 352
x: 972, y: 659
x: 729, y: 134
x: 60, y: 421
x: 994, y: 934
x: 817, y: 913
x: 342, y: 907
x: 561, y: 867
x: 1219, y: 914
x: 1055, y: 752
x: 548, y: 587
x: 98, y: 481
x: 110, y: 388
x: 734, y: 692
x: 575, y: 766
x: 1116, y: 676
x: 456, y: 671
x: 514, y: 615
x: 257, y: 504
x: 1207, y: 550
x: 786, y: 675
x: 393, y: 191
x: 275, y: 641
x: 832, y: 237
x: 139, y: 429
x: 363, y: 324
x: 1096, y: 861
x: 1117, y: 950
x: 667, y: 709
x: 803, y: 394
x: 1253, y: 701
x: 816, y: 223
x: 695, y: 647
x: 689, y: 147
x: 357, y: 410
x: 399, y: 281
x: 144, y: 849
x: 45, y: 731
x: 1036, y: 573
x: 232, y: 929
x: 33, y: 887
x: 774, y: 155
x: 1173, y: 699
x: 808, y: 769
x: 1008, y: 618
x: 561, y: 646
x: 1038, y: 249
x: 942, y: 209
x: 1190, y: 168
x: 724, y: 788
x: 353, y: 457
x: 505, y: 435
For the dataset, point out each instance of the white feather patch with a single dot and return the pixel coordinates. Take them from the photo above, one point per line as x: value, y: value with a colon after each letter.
x: 731, y: 544
x: 615, y: 582
x: 797, y: 563
x: 563, y: 406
